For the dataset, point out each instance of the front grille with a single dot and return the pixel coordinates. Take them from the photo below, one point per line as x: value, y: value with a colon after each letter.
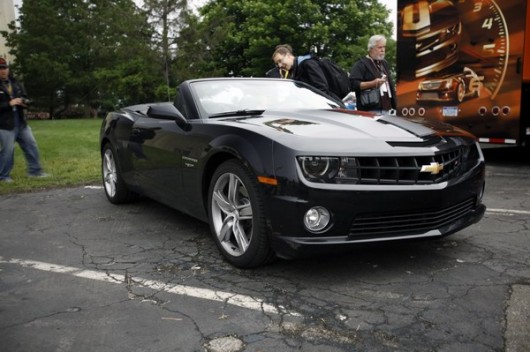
x: 428, y: 95
x: 431, y: 85
x: 408, y: 170
x: 396, y: 224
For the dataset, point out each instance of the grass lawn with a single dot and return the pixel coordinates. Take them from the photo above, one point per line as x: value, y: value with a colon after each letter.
x: 69, y: 153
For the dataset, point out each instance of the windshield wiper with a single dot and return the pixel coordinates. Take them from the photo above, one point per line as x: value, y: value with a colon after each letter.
x: 238, y: 113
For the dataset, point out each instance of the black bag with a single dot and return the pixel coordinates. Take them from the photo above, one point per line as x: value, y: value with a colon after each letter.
x: 370, y: 98
x: 338, y: 80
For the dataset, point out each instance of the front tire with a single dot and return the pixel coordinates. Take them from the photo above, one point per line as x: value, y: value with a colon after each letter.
x: 115, y: 188
x: 237, y: 219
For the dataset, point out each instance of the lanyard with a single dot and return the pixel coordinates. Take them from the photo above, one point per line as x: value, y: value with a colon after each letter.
x: 381, y: 69
x: 8, y: 87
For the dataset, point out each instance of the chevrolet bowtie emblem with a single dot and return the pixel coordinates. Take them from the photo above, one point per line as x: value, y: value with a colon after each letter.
x: 433, y: 168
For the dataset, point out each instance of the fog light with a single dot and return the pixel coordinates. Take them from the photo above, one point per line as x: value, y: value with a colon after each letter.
x: 317, y: 219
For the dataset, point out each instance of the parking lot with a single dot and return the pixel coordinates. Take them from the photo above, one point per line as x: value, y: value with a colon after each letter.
x: 80, y: 274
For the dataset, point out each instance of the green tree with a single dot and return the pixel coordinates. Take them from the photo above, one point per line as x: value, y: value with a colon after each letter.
x: 102, y: 54
x: 239, y: 37
x: 166, y: 18
x: 195, y: 48
x: 93, y: 54
x: 126, y: 69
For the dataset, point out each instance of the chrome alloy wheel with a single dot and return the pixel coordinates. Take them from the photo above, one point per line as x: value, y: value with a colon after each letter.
x: 231, y: 211
x: 110, y: 175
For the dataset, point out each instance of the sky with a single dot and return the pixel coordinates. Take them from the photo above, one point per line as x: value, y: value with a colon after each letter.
x: 19, y: 3
x: 392, y: 6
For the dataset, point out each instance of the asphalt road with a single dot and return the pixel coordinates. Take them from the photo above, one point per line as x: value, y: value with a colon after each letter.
x: 79, y: 274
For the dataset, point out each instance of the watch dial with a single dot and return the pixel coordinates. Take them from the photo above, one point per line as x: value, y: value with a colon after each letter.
x: 485, y: 42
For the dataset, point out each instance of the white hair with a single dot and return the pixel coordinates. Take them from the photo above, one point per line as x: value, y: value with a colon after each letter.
x: 372, y: 42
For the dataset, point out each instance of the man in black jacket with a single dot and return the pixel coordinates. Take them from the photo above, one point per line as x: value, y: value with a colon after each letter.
x: 373, y: 72
x: 13, y: 127
x: 301, y: 68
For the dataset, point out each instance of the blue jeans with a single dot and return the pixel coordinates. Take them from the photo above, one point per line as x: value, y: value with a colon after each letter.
x: 23, y: 136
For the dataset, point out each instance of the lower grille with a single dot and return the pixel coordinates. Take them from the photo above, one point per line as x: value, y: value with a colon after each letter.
x: 396, y: 224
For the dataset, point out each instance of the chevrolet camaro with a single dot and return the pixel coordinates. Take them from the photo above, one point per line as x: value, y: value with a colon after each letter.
x: 279, y: 169
x: 450, y: 87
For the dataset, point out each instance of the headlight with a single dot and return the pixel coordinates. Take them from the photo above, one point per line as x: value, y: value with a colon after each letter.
x: 447, y: 84
x: 320, y: 167
x: 329, y: 169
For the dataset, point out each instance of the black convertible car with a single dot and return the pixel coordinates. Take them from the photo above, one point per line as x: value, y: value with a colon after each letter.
x: 279, y: 169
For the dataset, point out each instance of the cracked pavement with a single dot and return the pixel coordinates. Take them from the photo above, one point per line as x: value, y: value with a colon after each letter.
x: 80, y: 274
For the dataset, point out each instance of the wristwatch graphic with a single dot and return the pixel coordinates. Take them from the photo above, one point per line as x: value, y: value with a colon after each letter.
x: 485, y: 41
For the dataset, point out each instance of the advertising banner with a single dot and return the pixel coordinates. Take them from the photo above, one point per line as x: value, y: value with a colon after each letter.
x: 461, y: 62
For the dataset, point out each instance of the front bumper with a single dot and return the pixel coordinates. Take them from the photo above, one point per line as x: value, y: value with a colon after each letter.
x: 295, y: 247
x: 372, y: 214
x: 435, y: 96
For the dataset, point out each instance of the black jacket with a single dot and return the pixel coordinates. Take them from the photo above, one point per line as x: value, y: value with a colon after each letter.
x: 308, y: 70
x: 7, y: 117
x: 364, y: 70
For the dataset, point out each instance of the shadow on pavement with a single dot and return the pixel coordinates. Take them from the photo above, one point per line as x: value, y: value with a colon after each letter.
x: 506, y: 155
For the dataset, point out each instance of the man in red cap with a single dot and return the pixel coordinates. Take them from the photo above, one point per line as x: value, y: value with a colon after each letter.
x: 14, y: 128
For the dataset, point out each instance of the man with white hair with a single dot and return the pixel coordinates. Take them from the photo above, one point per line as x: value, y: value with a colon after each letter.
x: 371, y: 74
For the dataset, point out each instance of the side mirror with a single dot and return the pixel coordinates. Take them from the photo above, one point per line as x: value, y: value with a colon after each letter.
x: 167, y: 111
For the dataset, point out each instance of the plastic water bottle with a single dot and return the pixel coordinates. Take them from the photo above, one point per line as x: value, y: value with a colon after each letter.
x: 350, y: 101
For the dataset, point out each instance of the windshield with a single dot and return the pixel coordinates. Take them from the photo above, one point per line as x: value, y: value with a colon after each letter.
x: 218, y: 97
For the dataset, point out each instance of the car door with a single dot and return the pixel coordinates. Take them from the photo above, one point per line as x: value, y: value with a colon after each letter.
x: 155, y: 146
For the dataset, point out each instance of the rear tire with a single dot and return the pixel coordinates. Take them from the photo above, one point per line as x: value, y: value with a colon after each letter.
x: 237, y: 219
x: 115, y: 188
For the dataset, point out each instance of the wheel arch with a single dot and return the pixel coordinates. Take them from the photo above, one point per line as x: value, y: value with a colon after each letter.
x: 104, y: 141
x: 258, y: 162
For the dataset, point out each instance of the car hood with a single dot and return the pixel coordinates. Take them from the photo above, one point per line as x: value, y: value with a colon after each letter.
x: 345, y: 125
